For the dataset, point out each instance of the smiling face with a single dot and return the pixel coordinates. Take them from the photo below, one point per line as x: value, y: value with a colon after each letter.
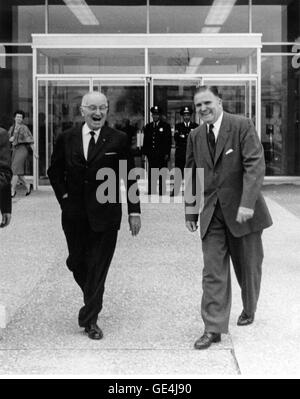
x: 94, y: 108
x: 19, y: 119
x: 186, y: 117
x: 208, y: 106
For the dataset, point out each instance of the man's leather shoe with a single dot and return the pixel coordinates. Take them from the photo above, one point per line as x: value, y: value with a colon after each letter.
x: 245, y: 319
x: 28, y: 192
x: 94, y: 331
x: 206, y: 340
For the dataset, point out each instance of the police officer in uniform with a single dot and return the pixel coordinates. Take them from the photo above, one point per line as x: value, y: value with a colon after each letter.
x: 182, y: 131
x: 157, y: 147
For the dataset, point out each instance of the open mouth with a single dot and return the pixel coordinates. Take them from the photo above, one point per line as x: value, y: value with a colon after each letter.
x: 96, y: 118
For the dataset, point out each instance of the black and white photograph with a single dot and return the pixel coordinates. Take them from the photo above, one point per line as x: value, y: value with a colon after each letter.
x: 150, y: 192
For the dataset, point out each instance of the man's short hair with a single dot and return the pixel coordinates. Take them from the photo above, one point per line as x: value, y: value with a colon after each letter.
x: 213, y: 89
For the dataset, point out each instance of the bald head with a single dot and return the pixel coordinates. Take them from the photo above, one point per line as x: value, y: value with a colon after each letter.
x: 94, y: 107
x: 93, y: 96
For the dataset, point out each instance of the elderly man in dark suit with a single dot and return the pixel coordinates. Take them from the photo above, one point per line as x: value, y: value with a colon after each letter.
x: 234, y: 213
x: 85, y: 176
x: 157, y: 148
x: 5, y: 178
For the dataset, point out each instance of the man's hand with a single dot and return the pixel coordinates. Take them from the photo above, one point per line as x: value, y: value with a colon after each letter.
x: 244, y: 214
x: 5, y: 219
x: 191, y: 226
x: 134, y: 224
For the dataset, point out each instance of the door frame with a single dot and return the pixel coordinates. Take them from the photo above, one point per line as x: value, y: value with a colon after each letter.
x: 90, y: 80
x: 202, y: 79
x: 145, y: 41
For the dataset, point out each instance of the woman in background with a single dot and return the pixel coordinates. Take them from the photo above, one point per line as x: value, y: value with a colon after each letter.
x: 21, y: 140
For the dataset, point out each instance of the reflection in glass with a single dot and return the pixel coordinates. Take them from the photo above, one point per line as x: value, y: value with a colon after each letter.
x: 91, y: 61
x: 19, y: 20
x: 215, y: 16
x: 126, y: 110
x: 62, y: 100
x: 280, y: 115
x: 98, y: 17
x: 282, y: 25
x: 16, y: 92
x: 15, y: 88
x: 235, y: 97
x: 202, y: 61
x: 171, y: 96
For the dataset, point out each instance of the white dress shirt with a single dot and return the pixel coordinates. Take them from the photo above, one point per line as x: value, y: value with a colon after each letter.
x: 217, y: 126
x: 86, y: 138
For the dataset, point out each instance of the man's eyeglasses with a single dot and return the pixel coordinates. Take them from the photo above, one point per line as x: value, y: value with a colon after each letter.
x: 93, y: 108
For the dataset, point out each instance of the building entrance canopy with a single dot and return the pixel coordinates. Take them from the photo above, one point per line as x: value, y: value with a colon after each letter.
x: 136, y: 71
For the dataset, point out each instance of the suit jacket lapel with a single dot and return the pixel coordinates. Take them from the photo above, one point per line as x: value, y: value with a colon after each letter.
x: 204, y: 145
x: 222, y: 136
x: 78, y: 144
x: 102, y: 140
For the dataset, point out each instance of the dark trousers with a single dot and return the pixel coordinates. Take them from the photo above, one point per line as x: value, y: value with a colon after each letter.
x: 152, y: 183
x: 246, y: 253
x: 90, y: 255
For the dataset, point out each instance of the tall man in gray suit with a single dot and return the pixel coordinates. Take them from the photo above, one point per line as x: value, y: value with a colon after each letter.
x: 234, y: 213
x: 5, y: 178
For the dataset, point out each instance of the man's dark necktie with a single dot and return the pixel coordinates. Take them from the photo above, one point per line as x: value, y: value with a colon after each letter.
x: 92, y: 145
x: 211, y: 140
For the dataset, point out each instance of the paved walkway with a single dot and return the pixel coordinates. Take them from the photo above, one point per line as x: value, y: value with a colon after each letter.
x: 151, y: 315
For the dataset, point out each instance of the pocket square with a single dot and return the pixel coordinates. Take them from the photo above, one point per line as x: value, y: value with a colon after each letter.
x: 110, y: 153
x: 229, y: 151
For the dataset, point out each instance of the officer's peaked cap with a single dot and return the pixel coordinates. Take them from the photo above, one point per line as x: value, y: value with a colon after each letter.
x: 155, y: 109
x: 186, y: 110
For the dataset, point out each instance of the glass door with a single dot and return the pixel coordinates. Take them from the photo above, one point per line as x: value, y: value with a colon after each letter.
x: 171, y: 95
x: 126, y: 101
x: 127, y: 104
x: 58, y: 109
x: 238, y: 96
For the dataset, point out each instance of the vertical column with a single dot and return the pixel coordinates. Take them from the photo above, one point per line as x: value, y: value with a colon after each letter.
x: 292, y: 131
x: 148, y: 17
x: 6, y: 86
x: 258, y: 95
x: 46, y: 17
x: 35, y: 116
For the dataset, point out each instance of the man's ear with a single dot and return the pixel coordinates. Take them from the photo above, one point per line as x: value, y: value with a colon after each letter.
x: 81, y: 111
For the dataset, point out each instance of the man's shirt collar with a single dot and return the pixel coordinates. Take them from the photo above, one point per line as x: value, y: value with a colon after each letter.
x: 217, y: 125
x: 86, y: 131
